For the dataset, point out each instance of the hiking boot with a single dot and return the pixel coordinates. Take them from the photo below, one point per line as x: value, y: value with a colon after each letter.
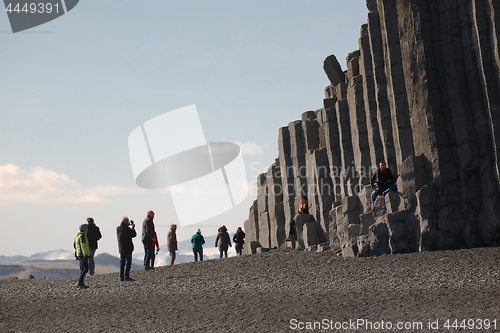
x: 82, y: 286
x: 129, y: 279
x: 147, y: 268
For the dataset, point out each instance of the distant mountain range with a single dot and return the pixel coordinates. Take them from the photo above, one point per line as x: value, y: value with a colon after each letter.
x: 57, y: 268
x: 49, y: 255
x: 62, y: 264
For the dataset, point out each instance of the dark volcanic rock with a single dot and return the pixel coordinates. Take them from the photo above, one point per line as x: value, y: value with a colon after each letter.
x: 421, y: 93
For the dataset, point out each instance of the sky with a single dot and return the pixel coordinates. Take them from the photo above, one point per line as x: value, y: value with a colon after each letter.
x: 72, y: 90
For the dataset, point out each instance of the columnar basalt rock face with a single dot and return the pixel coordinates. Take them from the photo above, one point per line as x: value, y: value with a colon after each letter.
x: 321, y: 193
x: 251, y: 230
x: 422, y: 93
x: 366, y: 67
x: 275, y: 206
x: 287, y: 173
x: 384, y: 121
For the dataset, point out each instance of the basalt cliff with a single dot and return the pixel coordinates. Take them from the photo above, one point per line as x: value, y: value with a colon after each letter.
x: 423, y: 94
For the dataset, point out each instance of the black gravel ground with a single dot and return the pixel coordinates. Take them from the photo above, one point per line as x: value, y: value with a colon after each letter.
x: 279, y: 291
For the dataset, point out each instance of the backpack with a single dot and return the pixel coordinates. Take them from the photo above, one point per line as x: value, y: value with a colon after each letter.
x: 74, y: 246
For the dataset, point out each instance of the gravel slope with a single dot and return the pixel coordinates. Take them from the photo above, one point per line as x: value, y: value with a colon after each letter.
x: 277, y: 291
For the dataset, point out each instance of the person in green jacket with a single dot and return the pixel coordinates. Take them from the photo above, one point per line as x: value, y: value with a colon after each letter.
x: 82, y: 253
x: 198, y: 240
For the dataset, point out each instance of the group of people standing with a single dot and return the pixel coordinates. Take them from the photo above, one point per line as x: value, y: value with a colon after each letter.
x: 223, y: 240
x: 85, y: 245
x: 86, y: 239
x: 126, y: 231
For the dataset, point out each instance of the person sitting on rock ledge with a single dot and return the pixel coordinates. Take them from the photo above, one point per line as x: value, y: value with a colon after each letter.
x: 382, y: 181
x: 303, y: 209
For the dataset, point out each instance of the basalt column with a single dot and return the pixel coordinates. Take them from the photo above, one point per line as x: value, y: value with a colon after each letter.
x: 263, y: 211
x: 488, y: 176
x: 485, y: 28
x: 275, y: 205
x: 428, y: 119
x: 287, y: 174
x: 348, y: 171
x: 252, y: 230
x: 382, y: 102
x: 321, y: 191
x: 330, y: 131
x: 366, y: 71
x: 396, y: 89
x: 298, y: 156
x: 456, y: 100
x: 359, y: 130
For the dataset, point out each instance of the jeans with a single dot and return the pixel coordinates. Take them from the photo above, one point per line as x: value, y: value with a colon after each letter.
x: 92, y: 262
x: 197, y: 252
x: 125, y: 263
x: 384, y: 190
x: 84, y: 268
x: 225, y: 253
x: 148, y: 251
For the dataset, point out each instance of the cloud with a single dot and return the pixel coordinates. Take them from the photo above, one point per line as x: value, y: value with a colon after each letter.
x: 100, y: 194
x: 42, y: 186
x: 250, y: 148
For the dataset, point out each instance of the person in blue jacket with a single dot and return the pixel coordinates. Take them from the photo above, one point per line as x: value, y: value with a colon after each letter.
x: 198, y: 240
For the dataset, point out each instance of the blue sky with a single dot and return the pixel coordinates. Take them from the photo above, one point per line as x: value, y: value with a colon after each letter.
x: 73, y: 89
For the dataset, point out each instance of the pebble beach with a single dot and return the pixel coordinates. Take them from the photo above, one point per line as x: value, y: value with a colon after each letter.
x: 278, y: 291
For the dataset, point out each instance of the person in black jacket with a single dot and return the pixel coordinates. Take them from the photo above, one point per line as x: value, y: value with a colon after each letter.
x: 93, y: 234
x: 125, y: 246
x: 382, y: 181
x: 224, y: 241
x: 239, y: 240
x: 148, y: 238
